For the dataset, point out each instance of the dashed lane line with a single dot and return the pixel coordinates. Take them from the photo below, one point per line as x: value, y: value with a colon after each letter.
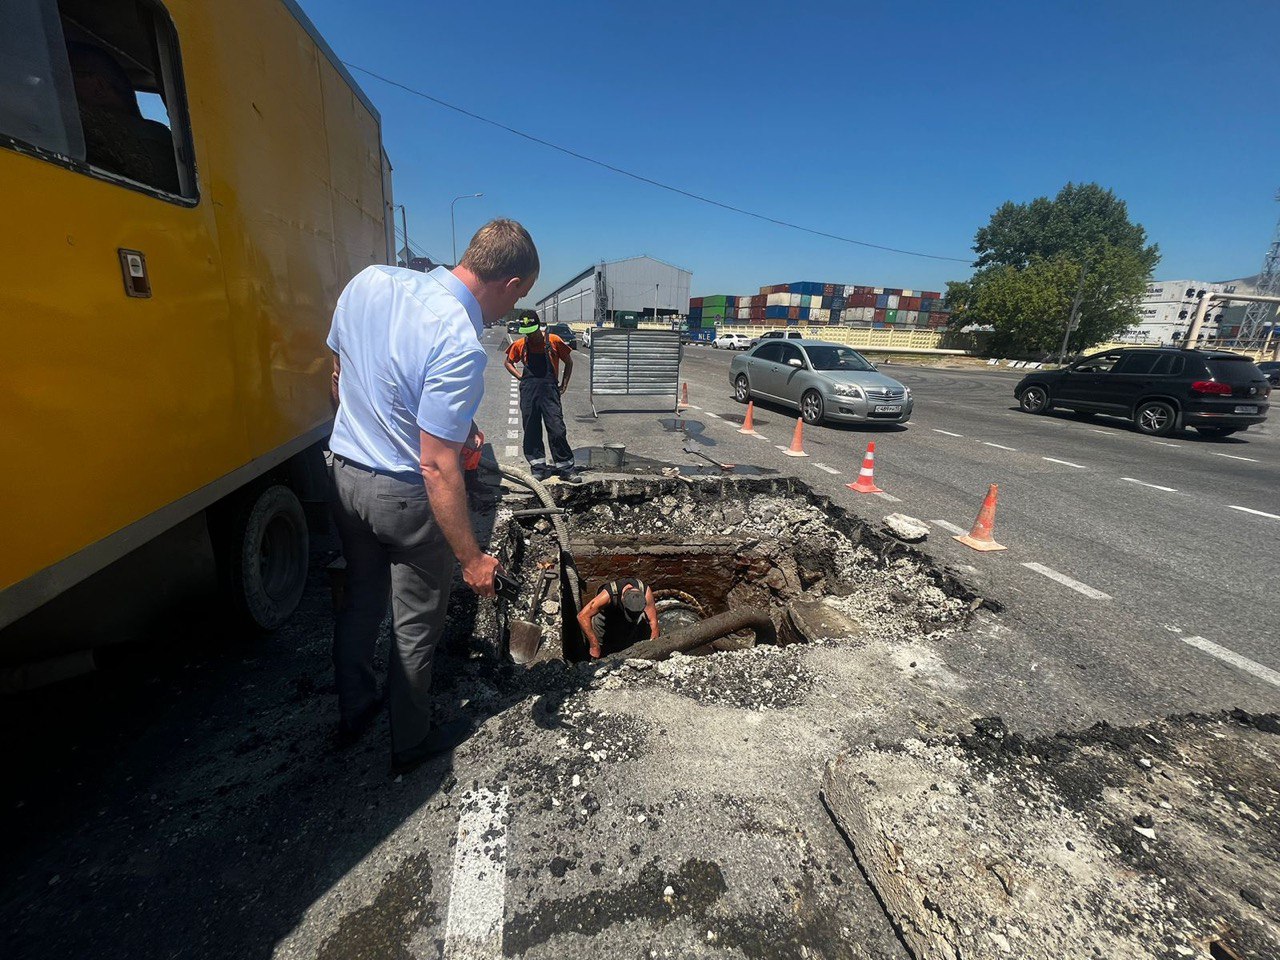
x: 478, y: 890
x: 1259, y: 513
x: 513, y: 421
x: 759, y: 436
x: 513, y: 434
x: 888, y: 496
x: 1165, y: 443
x: 947, y: 433
x: 1153, y: 486
x: 1066, y: 581
x: 949, y: 527
x: 999, y: 446
x: 713, y: 416
x: 823, y: 466
x: 1230, y: 656
x: 1232, y: 456
x: 1065, y: 463
x: 511, y: 451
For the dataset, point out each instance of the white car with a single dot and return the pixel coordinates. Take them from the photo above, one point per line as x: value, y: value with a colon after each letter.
x: 732, y: 341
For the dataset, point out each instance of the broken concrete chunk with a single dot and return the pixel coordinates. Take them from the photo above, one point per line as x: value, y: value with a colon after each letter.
x: 906, y: 529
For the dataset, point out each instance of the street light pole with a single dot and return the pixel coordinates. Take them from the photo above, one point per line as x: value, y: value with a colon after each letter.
x: 1075, y: 313
x: 656, y: 286
x: 453, y: 229
x: 404, y: 228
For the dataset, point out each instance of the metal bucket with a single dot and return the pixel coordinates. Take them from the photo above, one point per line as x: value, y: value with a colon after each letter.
x: 610, y: 455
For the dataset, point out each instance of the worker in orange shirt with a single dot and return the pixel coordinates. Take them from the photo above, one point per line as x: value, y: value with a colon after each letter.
x: 541, y: 386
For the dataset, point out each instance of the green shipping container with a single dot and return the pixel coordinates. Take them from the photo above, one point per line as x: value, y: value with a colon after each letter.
x: 891, y: 316
x: 708, y: 322
x: 806, y: 300
x: 719, y: 301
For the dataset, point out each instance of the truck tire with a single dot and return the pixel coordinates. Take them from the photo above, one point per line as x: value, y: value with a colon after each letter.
x: 263, y: 553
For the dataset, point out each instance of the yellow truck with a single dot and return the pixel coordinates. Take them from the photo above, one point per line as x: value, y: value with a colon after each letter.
x: 186, y: 188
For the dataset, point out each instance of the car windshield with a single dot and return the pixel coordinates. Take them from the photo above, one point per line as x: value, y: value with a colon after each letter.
x: 837, y: 358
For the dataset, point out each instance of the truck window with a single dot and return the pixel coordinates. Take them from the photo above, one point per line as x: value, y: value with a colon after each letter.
x: 96, y: 84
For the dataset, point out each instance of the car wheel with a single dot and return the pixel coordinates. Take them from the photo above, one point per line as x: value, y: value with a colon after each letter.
x: 1216, y: 433
x: 1034, y: 399
x: 811, y: 407
x: 1155, y: 418
x: 741, y: 389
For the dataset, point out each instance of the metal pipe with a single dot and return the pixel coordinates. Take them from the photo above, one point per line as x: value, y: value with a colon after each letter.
x: 700, y: 634
x: 538, y: 512
x: 1189, y: 342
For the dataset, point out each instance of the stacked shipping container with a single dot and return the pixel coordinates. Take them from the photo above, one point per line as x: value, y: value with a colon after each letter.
x: 788, y: 304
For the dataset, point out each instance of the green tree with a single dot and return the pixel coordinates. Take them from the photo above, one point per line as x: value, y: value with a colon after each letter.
x: 1029, y: 262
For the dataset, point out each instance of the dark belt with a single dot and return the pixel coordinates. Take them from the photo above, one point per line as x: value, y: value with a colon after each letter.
x: 404, y: 475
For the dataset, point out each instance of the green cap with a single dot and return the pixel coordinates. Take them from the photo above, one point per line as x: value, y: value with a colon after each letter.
x: 529, y: 325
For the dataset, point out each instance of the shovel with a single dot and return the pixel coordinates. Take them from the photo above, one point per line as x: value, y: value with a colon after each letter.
x: 524, y: 637
x: 699, y: 453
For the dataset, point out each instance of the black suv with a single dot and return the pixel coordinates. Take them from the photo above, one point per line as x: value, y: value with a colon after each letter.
x: 1271, y: 370
x: 565, y: 333
x: 1160, y: 390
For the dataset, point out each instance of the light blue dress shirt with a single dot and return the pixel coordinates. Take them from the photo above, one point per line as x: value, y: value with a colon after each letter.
x: 409, y: 347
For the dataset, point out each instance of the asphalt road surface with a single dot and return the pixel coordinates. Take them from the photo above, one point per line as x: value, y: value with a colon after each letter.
x: 186, y: 801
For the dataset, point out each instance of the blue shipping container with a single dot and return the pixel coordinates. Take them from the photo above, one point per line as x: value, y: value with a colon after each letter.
x: 882, y: 301
x: 775, y: 313
x: 804, y: 313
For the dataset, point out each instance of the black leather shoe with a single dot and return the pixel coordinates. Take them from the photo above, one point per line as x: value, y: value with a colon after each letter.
x: 440, y: 740
x: 348, y: 734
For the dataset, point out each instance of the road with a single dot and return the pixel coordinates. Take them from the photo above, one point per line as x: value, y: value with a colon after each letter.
x: 186, y: 801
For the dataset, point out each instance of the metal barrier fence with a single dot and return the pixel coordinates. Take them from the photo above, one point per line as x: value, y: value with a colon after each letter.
x: 637, y: 363
x: 883, y: 338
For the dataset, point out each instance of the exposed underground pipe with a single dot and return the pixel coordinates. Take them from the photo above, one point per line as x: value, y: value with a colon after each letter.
x: 700, y: 634
x: 530, y: 482
x: 538, y: 512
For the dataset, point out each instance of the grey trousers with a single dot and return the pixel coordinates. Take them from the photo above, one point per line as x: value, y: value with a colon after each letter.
x: 391, y: 542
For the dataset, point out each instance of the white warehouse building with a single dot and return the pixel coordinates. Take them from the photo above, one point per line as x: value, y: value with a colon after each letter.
x: 622, y: 289
x: 1169, y: 307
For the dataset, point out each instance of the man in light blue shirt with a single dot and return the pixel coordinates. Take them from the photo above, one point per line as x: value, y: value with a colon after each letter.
x: 407, y: 380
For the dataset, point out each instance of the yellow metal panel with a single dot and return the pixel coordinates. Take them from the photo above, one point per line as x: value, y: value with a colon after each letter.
x: 114, y: 406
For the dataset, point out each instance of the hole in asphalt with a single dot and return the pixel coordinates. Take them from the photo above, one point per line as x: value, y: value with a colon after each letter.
x: 713, y: 546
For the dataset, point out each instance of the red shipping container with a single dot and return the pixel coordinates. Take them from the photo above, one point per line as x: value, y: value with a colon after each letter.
x: 793, y: 313
x: 828, y: 289
x: 866, y: 300
x: 879, y: 317
x: 913, y: 303
x: 861, y: 291
x: 931, y: 295
x: 695, y: 302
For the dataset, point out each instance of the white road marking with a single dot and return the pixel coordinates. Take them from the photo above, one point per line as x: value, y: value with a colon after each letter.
x: 513, y: 434
x: 513, y: 421
x: 1165, y: 443
x: 713, y: 416
x: 1233, y: 658
x: 947, y: 433
x: 478, y: 890
x: 1105, y: 433
x: 950, y: 527
x: 689, y: 406
x: 1231, y: 456
x: 1153, y: 486
x: 988, y: 443
x: 1259, y: 513
x: 823, y: 466
x: 1065, y: 463
x: 759, y: 436
x: 511, y: 451
x: 888, y: 496
x: 1066, y: 581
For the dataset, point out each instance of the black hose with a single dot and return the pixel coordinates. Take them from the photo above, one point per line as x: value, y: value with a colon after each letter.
x: 700, y: 634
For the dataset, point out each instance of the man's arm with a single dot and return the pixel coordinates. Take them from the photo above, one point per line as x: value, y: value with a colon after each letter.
x: 597, y: 604
x: 442, y: 475
x: 333, y: 380
x: 651, y: 611
x: 568, y: 370
x: 511, y: 369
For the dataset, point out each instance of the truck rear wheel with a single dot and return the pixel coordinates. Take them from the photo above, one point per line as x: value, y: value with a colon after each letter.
x: 263, y: 555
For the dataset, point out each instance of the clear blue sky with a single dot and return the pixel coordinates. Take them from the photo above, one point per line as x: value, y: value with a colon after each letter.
x: 900, y: 124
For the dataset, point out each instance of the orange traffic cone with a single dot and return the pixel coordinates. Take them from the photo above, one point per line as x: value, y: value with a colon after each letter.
x: 980, y: 536
x: 684, y: 396
x: 797, y: 441
x: 749, y: 423
x: 866, y: 476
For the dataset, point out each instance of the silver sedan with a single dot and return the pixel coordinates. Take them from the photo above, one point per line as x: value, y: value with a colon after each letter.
x: 824, y: 381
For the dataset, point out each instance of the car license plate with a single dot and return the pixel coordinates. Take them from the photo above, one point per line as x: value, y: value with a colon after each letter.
x: 897, y: 408
x: 1248, y: 409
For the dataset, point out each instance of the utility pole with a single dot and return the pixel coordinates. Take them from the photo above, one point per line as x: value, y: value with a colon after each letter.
x: 655, y: 301
x: 1075, y: 313
x: 404, y: 229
